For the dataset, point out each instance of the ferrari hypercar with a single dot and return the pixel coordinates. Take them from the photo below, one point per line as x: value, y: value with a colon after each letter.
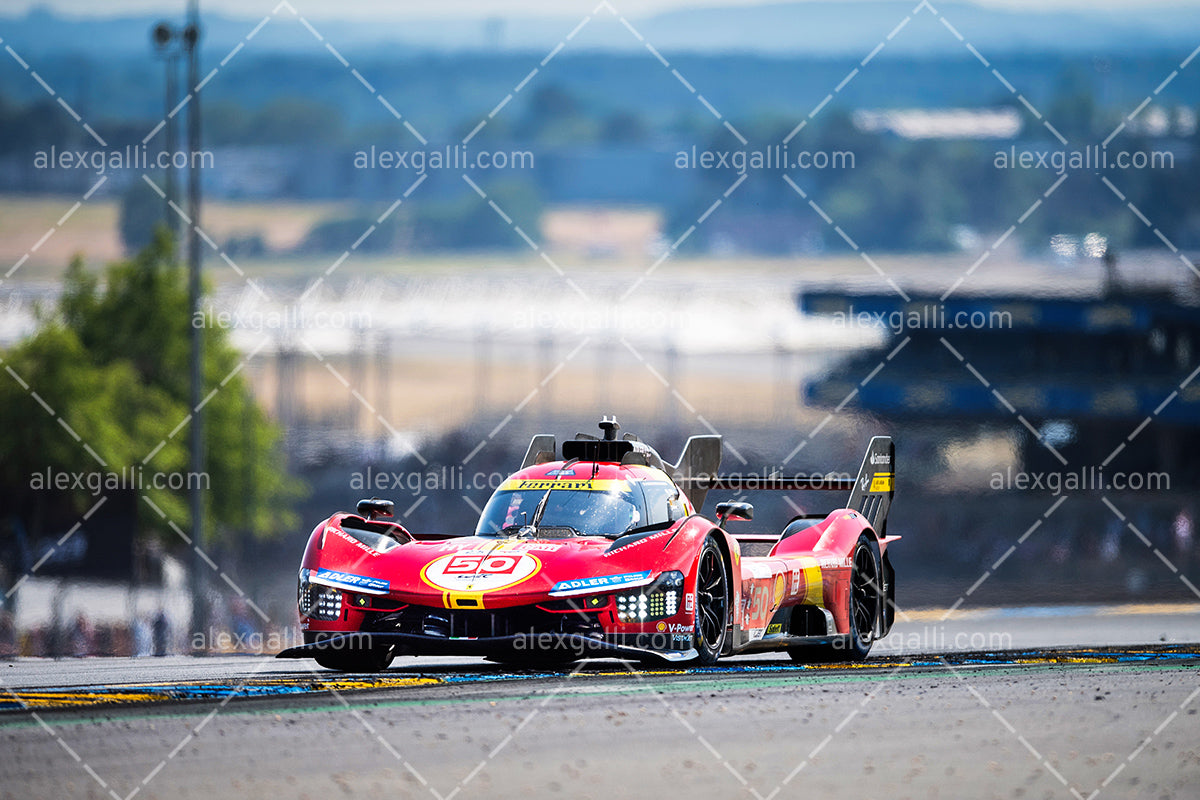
x: 601, y: 551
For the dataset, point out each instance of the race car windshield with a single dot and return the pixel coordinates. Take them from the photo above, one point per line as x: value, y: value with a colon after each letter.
x: 572, y: 511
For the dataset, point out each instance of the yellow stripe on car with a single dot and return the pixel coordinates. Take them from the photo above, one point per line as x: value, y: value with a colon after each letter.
x: 541, y: 484
x: 814, y: 584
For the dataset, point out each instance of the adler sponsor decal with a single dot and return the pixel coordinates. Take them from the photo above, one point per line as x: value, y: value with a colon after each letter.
x: 347, y: 580
x: 599, y: 582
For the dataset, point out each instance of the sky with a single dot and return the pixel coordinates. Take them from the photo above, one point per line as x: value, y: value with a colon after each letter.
x: 391, y: 9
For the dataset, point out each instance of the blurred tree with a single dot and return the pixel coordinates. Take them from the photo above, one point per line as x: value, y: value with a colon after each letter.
x: 108, y: 408
x: 1072, y: 109
x: 295, y: 120
x: 554, y: 117
x: 38, y: 126
x: 113, y: 365
x: 624, y: 127
x: 462, y: 223
x: 226, y: 122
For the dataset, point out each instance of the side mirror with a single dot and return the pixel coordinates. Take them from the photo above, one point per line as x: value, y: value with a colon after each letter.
x: 375, y: 508
x: 731, y: 510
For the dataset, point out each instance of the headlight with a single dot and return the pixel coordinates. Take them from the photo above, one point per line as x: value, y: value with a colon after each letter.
x: 657, y: 601
x: 318, y: 602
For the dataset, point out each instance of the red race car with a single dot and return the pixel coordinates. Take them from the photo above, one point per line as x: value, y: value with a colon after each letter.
x: 602, y: 552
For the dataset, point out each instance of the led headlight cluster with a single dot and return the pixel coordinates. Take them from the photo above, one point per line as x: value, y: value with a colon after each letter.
x: 632, y: 607
x: 318, y: 602
x: 329, y: 603
x: 657, y: 601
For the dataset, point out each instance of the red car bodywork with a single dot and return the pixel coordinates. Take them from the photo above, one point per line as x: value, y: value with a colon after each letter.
x: 526, y: 590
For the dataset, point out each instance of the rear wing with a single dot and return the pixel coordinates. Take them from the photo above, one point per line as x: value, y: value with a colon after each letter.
x: 696, y: 470
x: 870, y: 493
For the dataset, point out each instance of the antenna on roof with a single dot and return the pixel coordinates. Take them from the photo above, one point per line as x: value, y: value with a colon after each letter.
x: 610, y: 426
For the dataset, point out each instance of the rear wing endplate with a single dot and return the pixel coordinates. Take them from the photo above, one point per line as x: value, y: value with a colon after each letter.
x: 872, y: 492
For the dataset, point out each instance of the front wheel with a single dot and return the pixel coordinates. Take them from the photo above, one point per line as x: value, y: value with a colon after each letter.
x: 712, y: 603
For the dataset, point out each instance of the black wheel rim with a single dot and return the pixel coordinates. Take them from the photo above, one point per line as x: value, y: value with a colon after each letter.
x: 865, y: 586
x: 710, y: 597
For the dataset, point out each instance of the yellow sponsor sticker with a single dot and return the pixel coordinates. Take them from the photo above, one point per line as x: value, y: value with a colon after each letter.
x: 542, y: 484
x: 463, y: 600
x: 881, y: 482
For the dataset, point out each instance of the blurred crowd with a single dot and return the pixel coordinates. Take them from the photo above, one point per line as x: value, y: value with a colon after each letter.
x: 232, y: 628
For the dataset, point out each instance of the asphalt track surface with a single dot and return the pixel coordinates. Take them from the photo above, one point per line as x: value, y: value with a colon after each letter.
x: 1081, y: 703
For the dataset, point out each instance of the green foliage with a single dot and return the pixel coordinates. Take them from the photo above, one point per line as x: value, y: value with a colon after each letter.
x: 281, y: 121
x: 294, y: 120
x: 38, y: 126
x: 110, y: 410
x: 112, y: 367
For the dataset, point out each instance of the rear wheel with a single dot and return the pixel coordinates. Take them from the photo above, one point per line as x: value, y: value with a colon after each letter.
x: 712, y: 603
x: 864, y: 601
x: 866, y: 593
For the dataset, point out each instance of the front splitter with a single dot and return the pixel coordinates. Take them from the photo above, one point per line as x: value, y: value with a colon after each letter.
x: 571, y: 646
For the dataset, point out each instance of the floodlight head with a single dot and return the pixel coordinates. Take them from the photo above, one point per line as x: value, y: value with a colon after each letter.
x: 161, y: 35
x: 191, y: 35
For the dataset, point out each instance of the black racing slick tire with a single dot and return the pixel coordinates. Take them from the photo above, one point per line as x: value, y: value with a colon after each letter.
x: 357, y: 660
x: 712, y: 595
x: 865, y: 598
x: 864, y: 604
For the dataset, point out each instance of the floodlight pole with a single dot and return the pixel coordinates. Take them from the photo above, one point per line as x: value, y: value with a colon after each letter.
x: 172, y: 97
x: 191, y: 43
x: 167, y: 43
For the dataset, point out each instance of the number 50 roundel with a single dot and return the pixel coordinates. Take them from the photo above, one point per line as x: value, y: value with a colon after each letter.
x: 480, y: 572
